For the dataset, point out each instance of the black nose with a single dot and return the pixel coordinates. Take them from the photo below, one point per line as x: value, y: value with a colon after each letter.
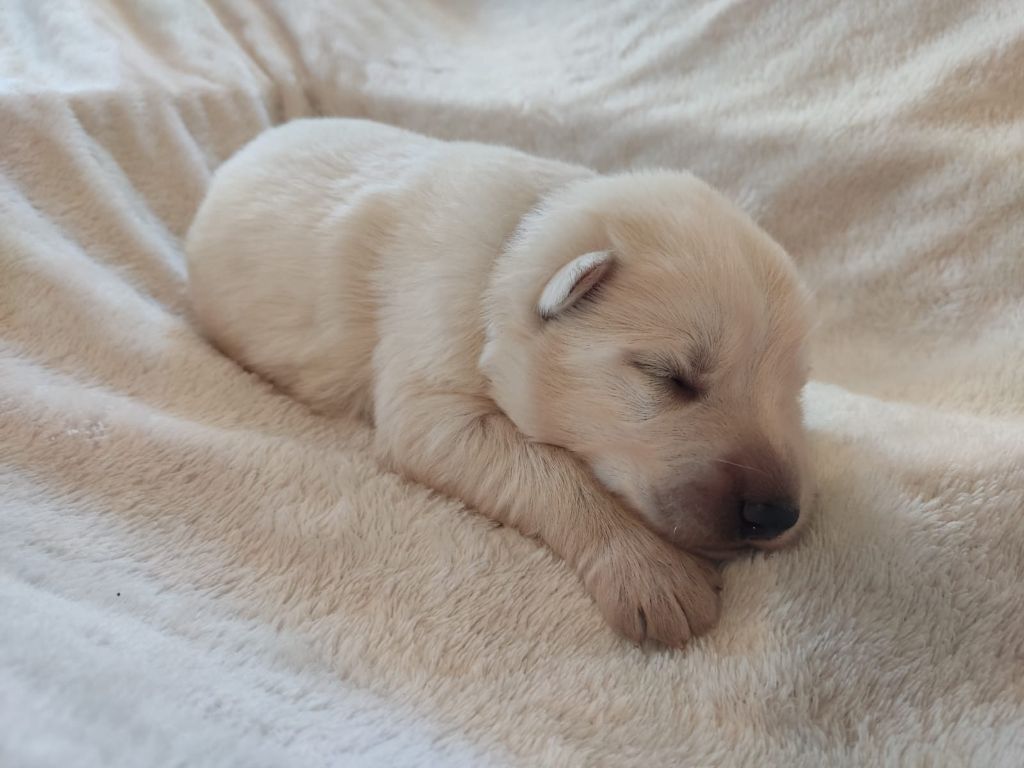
x: 766, y: 521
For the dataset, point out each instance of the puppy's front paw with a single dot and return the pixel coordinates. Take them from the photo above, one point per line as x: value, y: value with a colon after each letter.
x: 648, y: 589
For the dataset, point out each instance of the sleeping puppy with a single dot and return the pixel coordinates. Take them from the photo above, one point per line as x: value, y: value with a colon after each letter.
x: 611, y: 364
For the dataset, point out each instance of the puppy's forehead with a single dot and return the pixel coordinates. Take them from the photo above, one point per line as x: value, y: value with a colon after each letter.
x: 724, y: 313
x: 693, y: 265
x: 677, y: 291
x: 707, y: 254
x: 651, y: 312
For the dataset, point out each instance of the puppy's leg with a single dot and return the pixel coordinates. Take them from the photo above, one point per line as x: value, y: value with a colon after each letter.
x: 643, y: 586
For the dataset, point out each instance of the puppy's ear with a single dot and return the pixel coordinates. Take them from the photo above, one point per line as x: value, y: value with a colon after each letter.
x: 573, y: 281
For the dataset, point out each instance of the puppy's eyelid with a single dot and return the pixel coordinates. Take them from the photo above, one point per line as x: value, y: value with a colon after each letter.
x: 681, y: 384
x: 685, y: 388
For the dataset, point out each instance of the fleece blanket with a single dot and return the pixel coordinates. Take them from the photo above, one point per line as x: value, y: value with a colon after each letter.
x: 196, y: 571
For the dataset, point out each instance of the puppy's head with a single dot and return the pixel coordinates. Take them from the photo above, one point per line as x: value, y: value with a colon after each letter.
x: 647, y: 325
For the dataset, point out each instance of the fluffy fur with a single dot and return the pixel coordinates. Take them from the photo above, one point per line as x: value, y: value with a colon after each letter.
x: 452, y: 291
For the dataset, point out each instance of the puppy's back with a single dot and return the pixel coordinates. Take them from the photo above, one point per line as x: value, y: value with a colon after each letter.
x: 282, y: 251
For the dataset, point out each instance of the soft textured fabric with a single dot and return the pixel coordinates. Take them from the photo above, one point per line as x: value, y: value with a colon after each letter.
x: 196, y: 571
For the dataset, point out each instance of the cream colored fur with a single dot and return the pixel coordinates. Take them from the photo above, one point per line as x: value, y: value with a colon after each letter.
x: 440, y: 287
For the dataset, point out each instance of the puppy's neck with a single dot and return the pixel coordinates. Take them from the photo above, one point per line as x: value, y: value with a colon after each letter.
x: 551, y: 233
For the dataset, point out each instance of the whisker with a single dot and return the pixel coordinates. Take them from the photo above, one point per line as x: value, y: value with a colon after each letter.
x: 742, y: 466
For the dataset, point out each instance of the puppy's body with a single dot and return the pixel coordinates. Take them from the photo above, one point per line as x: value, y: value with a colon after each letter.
x: 323, y: 237
x: 442, y: 289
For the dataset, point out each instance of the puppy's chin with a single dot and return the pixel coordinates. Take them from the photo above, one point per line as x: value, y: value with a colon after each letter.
x: 720, y: 554
x: 782, y: 541
x: 711, y: 547
x: 725, y: 552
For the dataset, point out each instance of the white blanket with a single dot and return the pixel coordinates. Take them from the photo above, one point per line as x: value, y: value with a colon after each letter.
x: 195, y: 571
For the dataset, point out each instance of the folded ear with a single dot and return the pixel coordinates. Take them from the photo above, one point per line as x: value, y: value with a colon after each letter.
x: 573, y: 281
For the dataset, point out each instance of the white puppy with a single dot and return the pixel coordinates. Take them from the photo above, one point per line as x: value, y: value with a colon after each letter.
x: 609, y: 363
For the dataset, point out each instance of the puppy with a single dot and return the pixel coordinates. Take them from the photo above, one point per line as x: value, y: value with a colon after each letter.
x: 611, y: 364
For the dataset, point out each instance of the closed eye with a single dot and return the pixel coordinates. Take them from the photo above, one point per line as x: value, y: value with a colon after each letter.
x: 680, y: 385
x: 684, y: 388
